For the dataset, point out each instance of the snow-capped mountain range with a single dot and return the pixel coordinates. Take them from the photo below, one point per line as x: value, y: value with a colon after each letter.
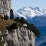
x: 29, y: 12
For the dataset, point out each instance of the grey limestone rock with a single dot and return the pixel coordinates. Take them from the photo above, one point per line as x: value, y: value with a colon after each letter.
x: 5, y: 6
x: 20, y: 37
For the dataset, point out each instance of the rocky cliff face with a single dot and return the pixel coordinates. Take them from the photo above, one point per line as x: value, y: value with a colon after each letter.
x: 5, y: 6
x: 19, y: 37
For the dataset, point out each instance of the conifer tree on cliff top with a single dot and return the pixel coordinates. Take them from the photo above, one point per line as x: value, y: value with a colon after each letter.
x: 11, y: 14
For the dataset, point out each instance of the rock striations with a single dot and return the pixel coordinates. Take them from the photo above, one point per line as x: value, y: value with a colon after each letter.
x: 18, y: 37
x: 5, y: 6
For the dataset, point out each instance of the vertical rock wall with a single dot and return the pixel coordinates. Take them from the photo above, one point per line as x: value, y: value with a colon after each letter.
x: 5, y: 6
x: 19, y: 37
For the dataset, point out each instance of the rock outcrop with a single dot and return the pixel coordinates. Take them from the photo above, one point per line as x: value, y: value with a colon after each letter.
x: 18, y: 37
x: 5, y: 6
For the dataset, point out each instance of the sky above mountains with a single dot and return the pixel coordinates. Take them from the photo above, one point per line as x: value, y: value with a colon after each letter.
x: 17, y: 4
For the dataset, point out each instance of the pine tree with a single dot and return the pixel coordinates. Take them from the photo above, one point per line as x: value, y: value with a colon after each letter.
x: 11, y: 14
x: 17, y: 19
x: 22, y: 20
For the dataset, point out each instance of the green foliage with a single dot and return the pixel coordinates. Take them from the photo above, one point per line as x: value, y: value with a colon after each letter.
x: 11, y: 14
x: 34, y: 29
x: 14, y: 26
x: 5, y: 17
x: 22, y: 20
x: 29, y: 26
x: 17, y: 19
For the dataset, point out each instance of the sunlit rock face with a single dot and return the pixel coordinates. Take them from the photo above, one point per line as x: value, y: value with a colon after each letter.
x: 5, y: 6
x: 19, y: 37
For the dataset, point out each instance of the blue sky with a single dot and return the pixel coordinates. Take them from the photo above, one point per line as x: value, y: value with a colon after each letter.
x: 17, y: 4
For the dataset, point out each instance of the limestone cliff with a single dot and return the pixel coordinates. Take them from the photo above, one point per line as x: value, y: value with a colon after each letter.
x: 18, y: 37
x: 5, y: 6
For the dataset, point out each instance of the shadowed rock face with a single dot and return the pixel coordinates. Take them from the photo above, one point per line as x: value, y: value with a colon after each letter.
x: 19, y: 37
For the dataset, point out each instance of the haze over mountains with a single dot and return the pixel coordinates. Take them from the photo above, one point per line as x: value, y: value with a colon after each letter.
x: 43, y: 44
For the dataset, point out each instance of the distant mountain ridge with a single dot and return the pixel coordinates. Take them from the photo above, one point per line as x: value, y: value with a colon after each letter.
x: 38, y: 21
x: 43, y: 44
x: 29, y: 12
x: 40, y: 41
x: 35, y: 15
